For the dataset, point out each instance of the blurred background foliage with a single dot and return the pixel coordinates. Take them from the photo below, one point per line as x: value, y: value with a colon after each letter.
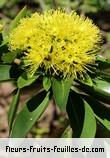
x: 98, y: 10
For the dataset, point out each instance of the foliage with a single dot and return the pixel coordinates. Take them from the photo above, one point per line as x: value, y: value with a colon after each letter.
x: 84, y: 99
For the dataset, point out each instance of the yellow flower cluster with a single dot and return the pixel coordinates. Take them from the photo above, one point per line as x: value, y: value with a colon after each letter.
x: 57, y: 41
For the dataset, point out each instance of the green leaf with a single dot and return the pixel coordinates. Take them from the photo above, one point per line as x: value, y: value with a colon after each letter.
x: 89, y: 125
x: 102, y: 88
x: 102, y: 132
x: 20, y: 15
x: 75, y: 111
x: 61, y: 89
x: 2, y: 3
x: 46, y: 83
x: 103, y: 68
x: 14, y: 24
x: 81, y: 117
x: 13, y: 108
x: 67, y: 133
x: 24, y: 81
x: 87, y: 81
x: 101, y: 110
x: 9, y: 57
x: 5, y: 72
x: 30, y: 113
x: 104, y: 121
x: 100, y: 58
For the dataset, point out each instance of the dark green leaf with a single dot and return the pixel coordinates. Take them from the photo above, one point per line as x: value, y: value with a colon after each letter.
x: 104, y: 121
x: 102, y: 132
x: 13, y: 108
x: 102, y: 113
x: 103, y: 68
x: 3, y: 49
x: 102, y: 88
x: 24, y: 81
x: 75, y: 110
x: 61, y: 89
x: 4, y: 72
x: 81, y: 117
x: 46, y: 83
x: 30, y: 113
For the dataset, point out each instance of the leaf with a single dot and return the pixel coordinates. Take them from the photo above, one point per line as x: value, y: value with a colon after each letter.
x: 5, y: 72
x: 46, y: 83
x: 8, y: 57
x: 3, y: 49
x: 89, y: 125
x: 104, y: 121
x: 20, y: 15
x: 30, y: 113
x: 88, y: 81
x: 103, y: 68
x: 2, y: 3
x: 13, y: 24
x: 75, y: 111
x: 67, y: 133
x: 13, y: 108
x: 24, y: 81
x: 81, y: 117
x: 102, y: 113
x: 102, y: 88
x: 61, y: 89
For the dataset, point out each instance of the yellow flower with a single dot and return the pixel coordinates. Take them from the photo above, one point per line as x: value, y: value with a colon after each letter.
x: 60, y: 43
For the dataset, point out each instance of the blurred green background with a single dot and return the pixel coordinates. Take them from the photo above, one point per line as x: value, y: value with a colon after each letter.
x: 98, y: 10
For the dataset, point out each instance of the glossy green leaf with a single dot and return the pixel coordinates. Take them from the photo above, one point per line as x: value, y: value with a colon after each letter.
x: 100, y: 58
x: 103, y: 68
x: 5, y: 72
x: 30, y: 113
x: 46, y: 83
x: 101, y: 110
x: 104, y: 64
x: 89, y: 125
x: 102, y: 88
x: 75, y: 111
x: 9, y: 57
x: 13, y: 108
x: 24, y: 81
x: 104, y: 121
x: 61, y: 89
x: 81, y: 117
